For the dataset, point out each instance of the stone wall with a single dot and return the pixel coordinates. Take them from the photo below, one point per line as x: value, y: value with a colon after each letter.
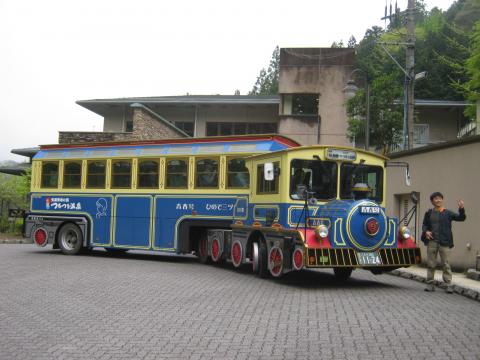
x: 72, y: 137
x: 148, y: 127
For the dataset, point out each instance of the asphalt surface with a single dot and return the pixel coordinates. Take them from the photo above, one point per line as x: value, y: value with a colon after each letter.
x: 143, y: 306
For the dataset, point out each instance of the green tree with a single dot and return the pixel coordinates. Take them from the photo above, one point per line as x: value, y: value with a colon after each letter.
x: 472, y: 86
x: 352, y: 42
x: 386, y: 115
x: 267, y: 81
x: 337, y: 45
x: 442, y: 51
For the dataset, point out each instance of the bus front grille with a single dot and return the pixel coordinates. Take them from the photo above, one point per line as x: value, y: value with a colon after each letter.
x: 348, y: 257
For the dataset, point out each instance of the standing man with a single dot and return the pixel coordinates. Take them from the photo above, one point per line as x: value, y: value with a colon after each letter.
x: 437, y: 235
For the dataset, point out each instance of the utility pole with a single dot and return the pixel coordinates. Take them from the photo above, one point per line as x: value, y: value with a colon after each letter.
x: 410, y: 77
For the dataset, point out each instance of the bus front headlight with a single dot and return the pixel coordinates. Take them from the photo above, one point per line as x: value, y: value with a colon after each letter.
x: 321, y: 231
x: 405, y: 232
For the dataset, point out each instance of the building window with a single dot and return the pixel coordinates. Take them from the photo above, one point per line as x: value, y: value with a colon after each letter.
x: 305, y: 104
x: 186, y: 126
x: 206, y: 173
x: 96, y: 174
x: 121, y: 174
x: 148, y: 174
x: 72, y: 175
x: 177, y: 174
x: 50, y: 175
x: 265, y: 186
x: 232, y: 128
x: 129, y: 126
x: 237, y: 174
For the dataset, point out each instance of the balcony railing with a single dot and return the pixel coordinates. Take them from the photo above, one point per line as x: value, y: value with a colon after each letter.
x: 421, y: 137
x: 468, y: 129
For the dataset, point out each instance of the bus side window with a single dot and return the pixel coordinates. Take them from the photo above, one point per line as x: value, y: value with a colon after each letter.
x: 72, y: 174
x: 177, y: 174
x: 96, y: 173
x: 121, y: 174
x: 237, y: 174
x: 50, y: 174
x: 148, y: 174
x: 206, y: 173
x: 265, y: 186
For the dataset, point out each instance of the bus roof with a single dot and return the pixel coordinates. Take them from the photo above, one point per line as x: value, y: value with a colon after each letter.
x: 183, y: 146
x: 319, y: 147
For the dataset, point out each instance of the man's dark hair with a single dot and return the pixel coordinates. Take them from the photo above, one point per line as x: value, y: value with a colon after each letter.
x: 435, y: 194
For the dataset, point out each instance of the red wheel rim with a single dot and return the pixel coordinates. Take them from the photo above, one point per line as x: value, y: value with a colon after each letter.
x: 215, y: 250
x: 40, y: 236
x: 298, y: 259
x: 236, y: 254
x: 276, y: 261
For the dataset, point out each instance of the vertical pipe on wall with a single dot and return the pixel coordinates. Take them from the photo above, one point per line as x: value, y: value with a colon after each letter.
x: 195, y: 121
x: 319, y: 118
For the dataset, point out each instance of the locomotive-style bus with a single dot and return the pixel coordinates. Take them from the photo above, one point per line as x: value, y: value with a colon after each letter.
x: 262, y: 200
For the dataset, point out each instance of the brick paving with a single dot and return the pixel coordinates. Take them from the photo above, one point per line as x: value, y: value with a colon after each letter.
x: 142, y: 306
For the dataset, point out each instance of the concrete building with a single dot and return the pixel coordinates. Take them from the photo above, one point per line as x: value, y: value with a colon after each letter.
x: 310, y: 107
x: 312, y: 101
x: 439, y: 121
x: 179, y: 116
x: 452, y: 168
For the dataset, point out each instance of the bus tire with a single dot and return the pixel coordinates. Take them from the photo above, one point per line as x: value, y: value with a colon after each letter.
x: 342, y: 273
x: 70, y: 239
x: 262, y: 267
x: 202, y: 249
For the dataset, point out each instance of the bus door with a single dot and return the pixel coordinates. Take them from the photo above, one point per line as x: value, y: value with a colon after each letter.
x: 133, y: 217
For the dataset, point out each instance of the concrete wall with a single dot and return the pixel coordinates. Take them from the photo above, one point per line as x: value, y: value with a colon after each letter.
x: 323, y: 71
x: 115, y: 118
x: 454, y: 170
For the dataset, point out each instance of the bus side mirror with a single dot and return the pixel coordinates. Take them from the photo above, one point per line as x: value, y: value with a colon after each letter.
x: 268, y: 173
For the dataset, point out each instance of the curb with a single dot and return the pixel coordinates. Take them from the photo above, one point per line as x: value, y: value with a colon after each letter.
x: 15, y: 241
x: 458, y: 289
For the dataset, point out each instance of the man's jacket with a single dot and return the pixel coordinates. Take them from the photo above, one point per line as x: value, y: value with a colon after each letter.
x: 446, y: 218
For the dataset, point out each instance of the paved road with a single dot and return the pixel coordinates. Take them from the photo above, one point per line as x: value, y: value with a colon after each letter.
x: 138, y: 306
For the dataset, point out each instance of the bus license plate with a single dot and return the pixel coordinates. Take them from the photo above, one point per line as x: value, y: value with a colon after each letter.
x: 368, y: 258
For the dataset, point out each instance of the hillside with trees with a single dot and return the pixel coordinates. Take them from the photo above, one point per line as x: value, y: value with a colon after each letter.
x: 447, y: 46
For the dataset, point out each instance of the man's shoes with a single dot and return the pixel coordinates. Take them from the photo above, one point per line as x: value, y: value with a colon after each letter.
x: 449, y: 289
x: 430, y: 288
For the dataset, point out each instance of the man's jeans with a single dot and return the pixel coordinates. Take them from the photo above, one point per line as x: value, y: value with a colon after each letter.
x: 433, y: 249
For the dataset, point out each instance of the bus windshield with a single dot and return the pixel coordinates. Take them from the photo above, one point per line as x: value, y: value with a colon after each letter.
x: 319, y: 176
x: 359, y: 181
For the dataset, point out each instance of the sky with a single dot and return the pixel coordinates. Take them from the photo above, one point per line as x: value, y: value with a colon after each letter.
x: 56, y: 52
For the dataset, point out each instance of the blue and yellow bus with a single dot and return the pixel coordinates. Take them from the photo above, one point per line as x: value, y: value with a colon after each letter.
x: 262, y: 200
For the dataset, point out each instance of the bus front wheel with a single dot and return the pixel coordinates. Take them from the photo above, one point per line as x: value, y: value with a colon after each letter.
x: 70, y: 239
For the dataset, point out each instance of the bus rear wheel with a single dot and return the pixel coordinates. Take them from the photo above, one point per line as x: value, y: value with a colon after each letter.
x: 70, y: 239
x: 342, y: 273
x: 202, y: 249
